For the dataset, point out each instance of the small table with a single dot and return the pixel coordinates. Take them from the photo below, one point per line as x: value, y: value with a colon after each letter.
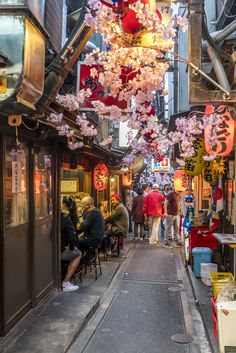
x: 230, y: 240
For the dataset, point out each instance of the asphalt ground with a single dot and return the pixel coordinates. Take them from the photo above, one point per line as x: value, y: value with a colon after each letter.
x: 148, y: 306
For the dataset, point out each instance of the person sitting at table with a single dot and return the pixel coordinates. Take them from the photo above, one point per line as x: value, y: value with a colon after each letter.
x: 69, y: 252
x: 118, y: 223
x: 92, y: 225
x: 70, y: 203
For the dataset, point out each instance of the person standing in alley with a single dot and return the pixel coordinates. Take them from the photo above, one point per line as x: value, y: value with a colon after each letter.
x: 129, y: 196
x: 147, y: 189
x: 171, y: 210
x: 166, y: 190
x: 138, y: 215
x: 153, y: 210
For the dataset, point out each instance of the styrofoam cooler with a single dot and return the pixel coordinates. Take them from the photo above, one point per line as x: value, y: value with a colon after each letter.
x: 206, y: 268
x: 200, y: 255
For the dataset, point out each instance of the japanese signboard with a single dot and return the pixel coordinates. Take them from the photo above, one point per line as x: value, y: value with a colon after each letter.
x: 162, y: 166
x: 69, y: 186
x: 209, y: 174
x: 225, y: 131
x: 100, y: 177
x: 100, y: 92
x: 127, y: 179
x: 16, y: 177
x: 195, y: 164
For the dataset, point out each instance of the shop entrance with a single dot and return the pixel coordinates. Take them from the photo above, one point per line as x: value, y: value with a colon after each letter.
x: 27, y: 234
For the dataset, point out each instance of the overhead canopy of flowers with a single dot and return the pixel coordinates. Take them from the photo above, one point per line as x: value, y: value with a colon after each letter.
x: 132, y: 70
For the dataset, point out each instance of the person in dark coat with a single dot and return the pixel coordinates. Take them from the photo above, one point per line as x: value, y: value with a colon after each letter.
x: 138, y: 215
x: 69, y: 251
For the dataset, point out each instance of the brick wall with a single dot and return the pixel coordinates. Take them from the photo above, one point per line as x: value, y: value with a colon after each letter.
x: 53, y: 21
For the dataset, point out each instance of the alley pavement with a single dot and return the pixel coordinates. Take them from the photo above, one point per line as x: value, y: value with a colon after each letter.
x: 141, y: 304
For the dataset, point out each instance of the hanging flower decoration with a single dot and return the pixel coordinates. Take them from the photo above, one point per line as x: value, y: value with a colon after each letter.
x: 131, y: 70
x: 106, y: 141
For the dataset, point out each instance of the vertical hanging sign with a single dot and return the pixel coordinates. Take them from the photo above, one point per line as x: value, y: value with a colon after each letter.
x: 224, y: 133
x: 100, y: 177
x: 16, y: 177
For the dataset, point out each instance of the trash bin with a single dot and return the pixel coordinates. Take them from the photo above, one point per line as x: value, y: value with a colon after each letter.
x: 200, y: 255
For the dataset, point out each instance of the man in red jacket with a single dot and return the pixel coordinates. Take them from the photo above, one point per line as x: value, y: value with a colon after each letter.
x: 153, y: 210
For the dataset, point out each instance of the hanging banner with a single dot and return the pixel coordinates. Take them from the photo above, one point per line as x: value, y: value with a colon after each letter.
x: 127, y: 179
x: 100, y: 92
x: 16, y: 177
x: 195, y: 164
x: 209, y: 174
x: 100, y: 177
x: 225, y: 131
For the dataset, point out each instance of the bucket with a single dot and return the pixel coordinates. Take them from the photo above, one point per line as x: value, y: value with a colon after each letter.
x: 200, y: 255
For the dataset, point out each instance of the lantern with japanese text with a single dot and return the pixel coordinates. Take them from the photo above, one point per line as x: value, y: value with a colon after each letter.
x: 210, y: 175
x: 100, y: 177
x: 224, y: 133
x: 180, y: 180
x: 127, y: 179
x: 195, y: 164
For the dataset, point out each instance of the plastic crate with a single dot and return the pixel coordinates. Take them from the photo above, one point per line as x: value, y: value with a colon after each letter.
x: 220, y: 280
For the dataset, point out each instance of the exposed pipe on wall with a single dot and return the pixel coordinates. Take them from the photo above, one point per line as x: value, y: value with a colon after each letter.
x: 218, y: 68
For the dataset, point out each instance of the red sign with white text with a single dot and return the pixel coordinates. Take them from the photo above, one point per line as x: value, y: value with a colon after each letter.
x: 100, y: 92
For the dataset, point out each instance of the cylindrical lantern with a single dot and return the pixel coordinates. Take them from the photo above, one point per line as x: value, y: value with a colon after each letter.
x: 195, y: 164
x: 100, y: 177
x: 225, y: 131
x: 209, y: 174
x: 127, y: 179
x: 180, y: 180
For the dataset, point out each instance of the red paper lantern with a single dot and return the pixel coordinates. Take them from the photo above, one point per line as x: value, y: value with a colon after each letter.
x: 180, y: 180
x: 130, y: 23
x: 100, y: 177
x: 225, y: 132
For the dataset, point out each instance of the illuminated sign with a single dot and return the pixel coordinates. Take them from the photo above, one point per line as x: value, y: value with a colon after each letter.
x: 162, y: 166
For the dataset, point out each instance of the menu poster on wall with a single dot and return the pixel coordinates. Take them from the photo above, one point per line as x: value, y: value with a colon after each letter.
x: 69, y: 186
x: 16, y: 177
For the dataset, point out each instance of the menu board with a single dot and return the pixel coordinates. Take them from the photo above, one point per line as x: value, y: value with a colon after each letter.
x: 69, y: 186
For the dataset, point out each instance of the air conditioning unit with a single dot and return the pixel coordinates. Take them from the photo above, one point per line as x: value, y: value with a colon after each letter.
x: 226, y: 315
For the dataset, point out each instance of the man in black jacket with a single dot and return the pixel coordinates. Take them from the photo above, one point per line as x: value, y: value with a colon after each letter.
x: 92, y: 225
x: 69, y: 252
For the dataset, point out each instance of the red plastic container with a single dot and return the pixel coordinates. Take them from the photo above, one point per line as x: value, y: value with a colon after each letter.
x: 197, y: 240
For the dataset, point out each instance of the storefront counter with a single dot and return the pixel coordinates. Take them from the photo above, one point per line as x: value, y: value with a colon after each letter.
x: 230, y: 240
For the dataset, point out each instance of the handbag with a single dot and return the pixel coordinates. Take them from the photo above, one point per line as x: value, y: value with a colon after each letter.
x: 146, y: 227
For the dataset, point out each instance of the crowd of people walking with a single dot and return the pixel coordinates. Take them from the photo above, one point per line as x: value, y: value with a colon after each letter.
x: 143, y: 214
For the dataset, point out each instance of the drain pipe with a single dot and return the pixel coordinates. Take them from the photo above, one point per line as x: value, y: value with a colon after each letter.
x: 218, y: 68
x: 219, y: 36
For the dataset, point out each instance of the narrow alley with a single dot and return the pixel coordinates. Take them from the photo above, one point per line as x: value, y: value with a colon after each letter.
x: 143, y: 303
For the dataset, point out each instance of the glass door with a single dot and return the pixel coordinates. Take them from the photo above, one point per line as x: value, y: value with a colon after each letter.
x: 17, y: 240
x: 43, y: 224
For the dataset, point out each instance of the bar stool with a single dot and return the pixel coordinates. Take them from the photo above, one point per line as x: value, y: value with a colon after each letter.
x: 92, y: 260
